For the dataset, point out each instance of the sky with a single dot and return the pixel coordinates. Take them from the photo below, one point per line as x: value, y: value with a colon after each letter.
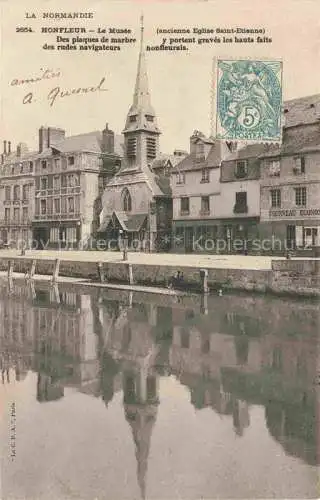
x: 180, y: 83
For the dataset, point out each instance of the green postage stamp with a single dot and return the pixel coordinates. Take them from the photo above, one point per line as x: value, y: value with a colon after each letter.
x: 249, y: 100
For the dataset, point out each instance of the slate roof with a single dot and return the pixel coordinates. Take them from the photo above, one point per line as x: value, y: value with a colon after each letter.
x: 128, y: 222
x: 14, y: 158
x: 189, y: 163
x: 89, y: 142
x: 302, y: 110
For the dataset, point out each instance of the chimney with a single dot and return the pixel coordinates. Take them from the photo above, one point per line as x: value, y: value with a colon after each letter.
x: 9, y: 147
x: 107, y: 140
x: 4, y: 147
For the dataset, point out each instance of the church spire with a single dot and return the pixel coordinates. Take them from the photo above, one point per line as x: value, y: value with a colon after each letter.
x: 141, y: 95
x: 141, y: 114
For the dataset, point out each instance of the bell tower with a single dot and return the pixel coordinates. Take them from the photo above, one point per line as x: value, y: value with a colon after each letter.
x: 141, y: 130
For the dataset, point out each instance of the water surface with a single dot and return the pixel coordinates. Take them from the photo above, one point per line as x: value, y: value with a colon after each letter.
x: 120, y: 395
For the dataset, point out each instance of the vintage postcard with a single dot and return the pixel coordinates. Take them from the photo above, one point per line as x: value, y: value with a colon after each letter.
x: 159, y: 249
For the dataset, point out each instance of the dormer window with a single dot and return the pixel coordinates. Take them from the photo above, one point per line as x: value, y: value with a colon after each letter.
x: 133, y: 118
x: 241, y: 169
x: 149, y: 118
x: 200, y: 152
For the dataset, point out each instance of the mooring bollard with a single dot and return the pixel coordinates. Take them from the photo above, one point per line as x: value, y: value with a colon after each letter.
x: 56, y: 268
x: 101, y: 272
x: 10, y: 269
x: 130, y: 274
x: 204, y: 280
x: 30, y: 273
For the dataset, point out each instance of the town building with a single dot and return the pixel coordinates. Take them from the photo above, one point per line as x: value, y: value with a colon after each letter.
x: 196, y: 191
x: 239, y: 208
x: 69, y: 176
x: 17, y: 198
x: 137, y: 201
x: 290, y: 182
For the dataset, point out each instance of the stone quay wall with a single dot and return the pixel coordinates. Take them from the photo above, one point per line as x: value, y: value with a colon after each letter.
x: 293, y: 277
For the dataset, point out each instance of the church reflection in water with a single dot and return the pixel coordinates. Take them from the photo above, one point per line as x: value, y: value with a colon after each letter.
x: 230, y: 352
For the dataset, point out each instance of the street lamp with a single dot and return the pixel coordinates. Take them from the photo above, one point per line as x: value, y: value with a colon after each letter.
x: 124, y: 241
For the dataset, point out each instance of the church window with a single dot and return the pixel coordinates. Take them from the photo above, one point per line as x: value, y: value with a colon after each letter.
x: 126, y: 200
x: 132, y: 147
x: 151, y: 147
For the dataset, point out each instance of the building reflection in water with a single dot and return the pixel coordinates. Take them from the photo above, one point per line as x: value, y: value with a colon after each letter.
x: 230, y: 353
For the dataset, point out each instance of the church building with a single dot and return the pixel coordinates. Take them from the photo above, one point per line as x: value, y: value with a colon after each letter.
x: 137, y: 202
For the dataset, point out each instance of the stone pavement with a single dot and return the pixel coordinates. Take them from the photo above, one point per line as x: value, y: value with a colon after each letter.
x: 192, y: 260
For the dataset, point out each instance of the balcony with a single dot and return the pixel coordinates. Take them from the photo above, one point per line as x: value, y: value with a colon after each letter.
x: 10, y: 222
x: 43, y: 193
x: 204, y: 212
x: 57, y: 217
x: 240, y: 209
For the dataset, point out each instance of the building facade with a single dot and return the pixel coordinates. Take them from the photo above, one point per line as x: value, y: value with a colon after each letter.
x: 290, y: 182
x: 68, y: 175
x: 196, y: 193
x: 17, y: 199
x: 137, y: 201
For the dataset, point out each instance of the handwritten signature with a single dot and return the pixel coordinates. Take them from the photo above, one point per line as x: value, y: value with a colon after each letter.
x: 57, y: 93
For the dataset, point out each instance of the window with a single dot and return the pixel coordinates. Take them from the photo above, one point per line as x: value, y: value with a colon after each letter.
x: 25, y: 192
x: 151, y: 147
x: 299, y: 165
x: 70, y: 160
x: 57, y: 163
x: 71, y: 205
x: 133, y: 118
x: 7, y: 193
x: 205, y: 175
x: 44, y: 183
x: 275, y: 198
x: 56, y: 182
x: 57, y: 205
x: 301, y: 196
x: 7, y: 214
x: 181, y: 178
x: 43, y: 207
x: 205, y: 205
x: 25, y: 213
x: 241, y: 168
x: 30, y: 166
x: 200, y: 152
x: 16, y: 214
x: 184, y: 207
x: 132, y: 147
x: 126, y: 201
x: 44, y: 164
x: 149, y: 118
x: 310, y: 236
x: 16, y: 192
x: 274, y: 168
x: 241, y: 203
